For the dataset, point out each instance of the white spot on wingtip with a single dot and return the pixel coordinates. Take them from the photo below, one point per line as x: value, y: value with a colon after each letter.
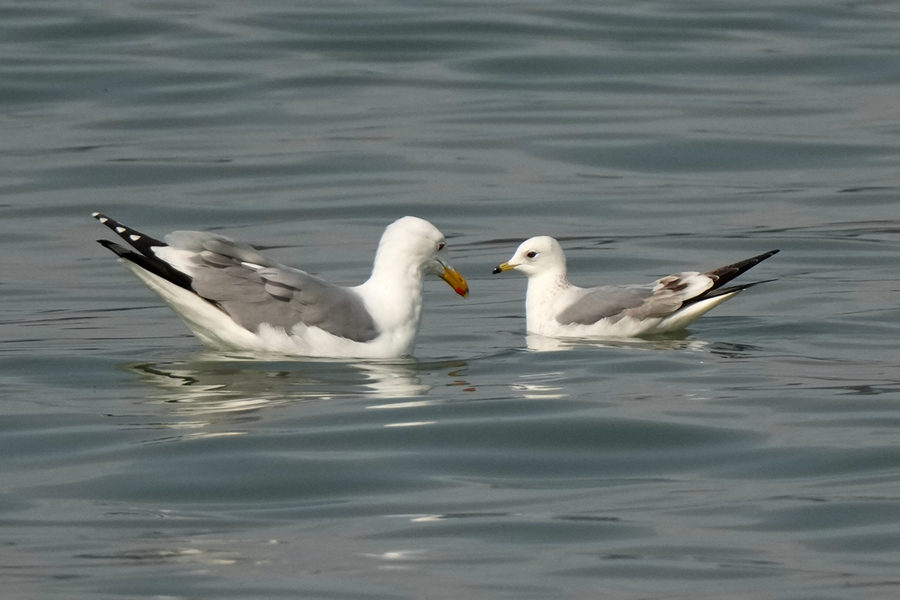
x: 134, y: 238
x: 103, y: 220
x: 95, y: 215
x: 121, y: 229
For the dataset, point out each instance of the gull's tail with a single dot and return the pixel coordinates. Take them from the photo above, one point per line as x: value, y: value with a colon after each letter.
x: 723, y: 275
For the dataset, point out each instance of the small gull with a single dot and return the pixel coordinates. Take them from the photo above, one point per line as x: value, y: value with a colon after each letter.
x: 556, y: 308
x: 234, y: 298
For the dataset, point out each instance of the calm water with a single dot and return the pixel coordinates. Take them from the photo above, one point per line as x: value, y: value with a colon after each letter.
x: 757, y: 456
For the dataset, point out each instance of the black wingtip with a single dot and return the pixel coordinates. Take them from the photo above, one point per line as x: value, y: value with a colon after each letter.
x: 141, y: 242
x: 143, y: 254
x: 152, y: 264
x: 114, y: 247
x: 723, y: 275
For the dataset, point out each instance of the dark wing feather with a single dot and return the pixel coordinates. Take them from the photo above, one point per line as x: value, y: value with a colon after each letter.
x: 143, y: 254
x: 723, y: 275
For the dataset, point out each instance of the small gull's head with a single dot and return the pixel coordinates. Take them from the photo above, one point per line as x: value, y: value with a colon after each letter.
x: 536, y: 256
x: 416, y: 240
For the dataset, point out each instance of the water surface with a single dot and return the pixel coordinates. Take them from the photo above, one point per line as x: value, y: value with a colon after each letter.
x: 754, y: 456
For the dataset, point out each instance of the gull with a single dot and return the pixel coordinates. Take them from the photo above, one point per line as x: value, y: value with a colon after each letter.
x: 234, y: 298
x: 556, y: 308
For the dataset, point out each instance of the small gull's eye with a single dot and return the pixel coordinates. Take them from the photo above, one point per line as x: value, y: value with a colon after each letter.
x: 441, y: 246
x: 531, y: 254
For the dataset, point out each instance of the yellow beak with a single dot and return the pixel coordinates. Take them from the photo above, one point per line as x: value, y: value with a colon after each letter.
x: 504, y: 267
x: 455, y: 280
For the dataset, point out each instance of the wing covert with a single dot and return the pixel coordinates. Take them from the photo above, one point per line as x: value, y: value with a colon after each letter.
x: 252, y: 289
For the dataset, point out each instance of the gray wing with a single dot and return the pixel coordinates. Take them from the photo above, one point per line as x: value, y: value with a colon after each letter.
x: 657, y: 299
x: 201, y: 241
x: 253, y: 289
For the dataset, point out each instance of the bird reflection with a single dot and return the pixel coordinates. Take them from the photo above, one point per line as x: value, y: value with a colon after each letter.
x: 214, y: 383
x: 392, y: 380
x: 551, y: 385
x: 672, y: 341
x: 541, y: 386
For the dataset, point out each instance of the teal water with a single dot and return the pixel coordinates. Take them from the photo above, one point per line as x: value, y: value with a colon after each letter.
x: 756, y: 456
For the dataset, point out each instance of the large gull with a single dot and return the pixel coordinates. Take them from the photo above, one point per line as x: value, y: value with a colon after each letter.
x: 556, y: 308
x: 234, y: 298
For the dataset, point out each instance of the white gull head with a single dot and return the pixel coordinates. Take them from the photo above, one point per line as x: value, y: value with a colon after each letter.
x: 537, y: 256
x: 413, y: 247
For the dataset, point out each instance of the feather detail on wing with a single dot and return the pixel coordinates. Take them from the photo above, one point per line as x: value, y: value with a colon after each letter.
x: 250, y: 288
x: 254, y: 290
x: 658, y: 299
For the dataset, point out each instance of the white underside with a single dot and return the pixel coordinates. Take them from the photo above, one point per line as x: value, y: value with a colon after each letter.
x: 219, y: 332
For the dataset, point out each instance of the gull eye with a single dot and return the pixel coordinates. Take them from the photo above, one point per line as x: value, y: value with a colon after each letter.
x: 441, y: 246
x: 531, y: 254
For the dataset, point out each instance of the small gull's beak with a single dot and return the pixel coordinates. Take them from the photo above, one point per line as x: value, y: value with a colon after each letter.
x: 504, y: 267
x: 455, y: 280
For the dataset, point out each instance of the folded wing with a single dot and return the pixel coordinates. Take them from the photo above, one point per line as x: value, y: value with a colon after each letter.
x: 249, y: 287
x: 658, y: 299
x: 254, y: 290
